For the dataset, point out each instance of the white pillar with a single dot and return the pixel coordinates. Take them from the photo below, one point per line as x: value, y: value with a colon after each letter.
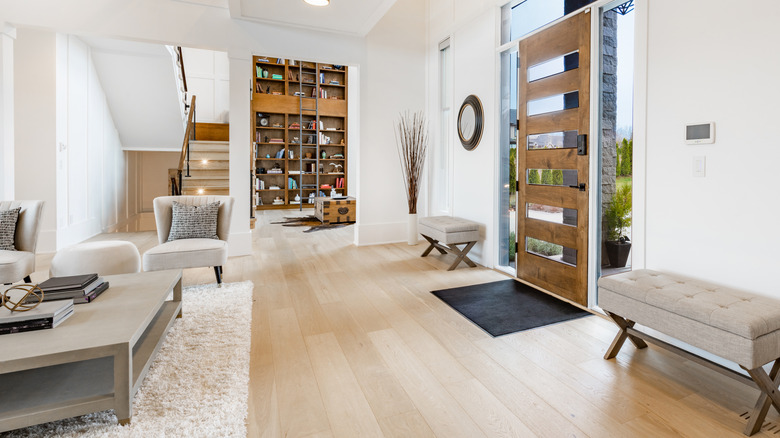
x: 7, y: 37
x: 240, y: 240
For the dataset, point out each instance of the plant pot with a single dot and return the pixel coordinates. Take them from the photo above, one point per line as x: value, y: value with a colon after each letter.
x: 617, y: 253
x: 412, y: 229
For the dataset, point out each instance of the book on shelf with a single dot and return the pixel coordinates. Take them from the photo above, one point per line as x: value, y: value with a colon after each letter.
x: 322, y: 78
x: 276, y: 140
x: 279, y: 61
x: 277, y: 76
x: 45, y: 316
x: 263, y: 59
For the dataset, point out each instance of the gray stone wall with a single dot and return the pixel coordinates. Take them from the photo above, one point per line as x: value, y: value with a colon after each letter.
x: 608, y: 114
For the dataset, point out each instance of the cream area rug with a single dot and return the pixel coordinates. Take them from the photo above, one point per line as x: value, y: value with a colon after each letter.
x: 197, y: 386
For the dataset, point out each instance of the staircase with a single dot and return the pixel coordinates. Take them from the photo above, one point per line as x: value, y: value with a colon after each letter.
x: 209, y: 169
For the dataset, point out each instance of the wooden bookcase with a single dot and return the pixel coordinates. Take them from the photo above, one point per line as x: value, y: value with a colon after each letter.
x: 292, y: 126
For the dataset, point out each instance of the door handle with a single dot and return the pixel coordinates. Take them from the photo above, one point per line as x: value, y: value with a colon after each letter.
x: 580, y: 186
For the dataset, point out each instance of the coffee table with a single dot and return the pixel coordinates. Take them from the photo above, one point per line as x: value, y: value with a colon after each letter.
x: 95, y: 360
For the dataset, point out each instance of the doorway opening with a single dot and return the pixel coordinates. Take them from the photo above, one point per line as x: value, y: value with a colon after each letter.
x: 616, y: 23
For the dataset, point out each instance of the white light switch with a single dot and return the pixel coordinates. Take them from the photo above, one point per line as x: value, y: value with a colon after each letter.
x: 699, y: 166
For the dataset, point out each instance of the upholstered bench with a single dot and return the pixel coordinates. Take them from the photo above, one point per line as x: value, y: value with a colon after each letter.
x: 450, y: 231
x: 735, y: 325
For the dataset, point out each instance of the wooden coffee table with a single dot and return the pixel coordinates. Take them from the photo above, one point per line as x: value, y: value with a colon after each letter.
x: 95, y: 360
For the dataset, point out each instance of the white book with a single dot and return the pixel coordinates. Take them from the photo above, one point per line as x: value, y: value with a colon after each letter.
x: 47, y: 309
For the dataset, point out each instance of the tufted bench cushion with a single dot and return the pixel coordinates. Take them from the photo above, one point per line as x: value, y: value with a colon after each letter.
x: 448, y: 229
x: 735, y: 325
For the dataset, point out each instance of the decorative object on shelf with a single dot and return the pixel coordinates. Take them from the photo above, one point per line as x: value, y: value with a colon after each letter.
x: 470, y: 122
x: 324, y: 155
x: 342, y: 142
x: 308, y: 155
x: 265, y: 73
x: 337, y: 168
x: 261, y: 170
x: 297, y: 198
x: 268, y: 155
x: 411, y: 137
x: 28, y: 301
x: 266, y: 139
x: 263, y: 121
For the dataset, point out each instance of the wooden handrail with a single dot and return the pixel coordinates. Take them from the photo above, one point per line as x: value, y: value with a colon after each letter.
x: 187, y: 133
x: 181, y: 64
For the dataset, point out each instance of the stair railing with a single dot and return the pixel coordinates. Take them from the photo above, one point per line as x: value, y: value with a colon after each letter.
x: 184, y: 158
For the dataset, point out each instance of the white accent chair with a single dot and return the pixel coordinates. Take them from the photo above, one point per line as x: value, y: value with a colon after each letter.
x: 189, y: 253
x: 19, y: 264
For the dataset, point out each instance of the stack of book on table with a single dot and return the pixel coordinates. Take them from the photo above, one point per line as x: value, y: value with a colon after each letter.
x: 44, y: 316
x: 81, y: 288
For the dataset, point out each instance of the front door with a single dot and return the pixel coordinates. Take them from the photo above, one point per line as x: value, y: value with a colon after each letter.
x: 552, y: 158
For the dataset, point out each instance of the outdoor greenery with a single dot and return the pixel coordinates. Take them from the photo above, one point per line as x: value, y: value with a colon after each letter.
x: 625, y: 151
x: 512, y: 244
x: 618, y: 214
x: 533, y: 176
x: 544, y: 248
x: 513, y: 170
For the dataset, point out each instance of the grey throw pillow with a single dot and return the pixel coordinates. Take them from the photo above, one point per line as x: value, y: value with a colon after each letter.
x: 8, y: 220
x: 194, y: 222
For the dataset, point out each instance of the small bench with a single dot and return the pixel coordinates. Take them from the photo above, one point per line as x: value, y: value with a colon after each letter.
x: 739, y: 326
x: 450, y: 231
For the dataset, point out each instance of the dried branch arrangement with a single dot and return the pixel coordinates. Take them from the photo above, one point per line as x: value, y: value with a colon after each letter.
x: 411, y: 137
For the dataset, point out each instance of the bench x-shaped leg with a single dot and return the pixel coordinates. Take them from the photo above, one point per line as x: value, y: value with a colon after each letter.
x: 620, y: 338
x: 433, y: 244
x: 462, y: 255
x: 769, y: 395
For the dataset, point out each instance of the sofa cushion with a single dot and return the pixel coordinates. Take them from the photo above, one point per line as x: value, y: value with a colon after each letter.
x: 194, y: 221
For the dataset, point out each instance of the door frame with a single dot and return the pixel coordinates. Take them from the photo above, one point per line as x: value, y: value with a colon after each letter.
x: 641, y: 8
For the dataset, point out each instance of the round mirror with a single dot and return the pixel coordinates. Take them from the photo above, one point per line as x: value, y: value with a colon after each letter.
x: 470, y: 122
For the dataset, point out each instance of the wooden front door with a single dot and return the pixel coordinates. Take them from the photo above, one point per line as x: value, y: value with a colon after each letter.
x: 552, y: 158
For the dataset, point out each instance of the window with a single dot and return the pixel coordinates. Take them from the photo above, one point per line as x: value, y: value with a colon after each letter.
x: 519, y: 18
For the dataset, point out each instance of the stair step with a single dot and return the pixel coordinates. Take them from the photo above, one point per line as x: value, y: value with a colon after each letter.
x: 219, y: 146
x: 206, y: 192
x: 206, y: 174
x: 208, y: 165
x: 203, y: 182
x: 208, y: 155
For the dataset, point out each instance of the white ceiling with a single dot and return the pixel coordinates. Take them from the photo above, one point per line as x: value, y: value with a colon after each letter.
x: 351, y: 17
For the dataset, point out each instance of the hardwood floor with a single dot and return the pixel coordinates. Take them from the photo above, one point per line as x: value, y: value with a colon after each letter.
x: 348, y: 341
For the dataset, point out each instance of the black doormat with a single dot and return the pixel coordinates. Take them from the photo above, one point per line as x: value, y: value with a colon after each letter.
x: 508, y: 306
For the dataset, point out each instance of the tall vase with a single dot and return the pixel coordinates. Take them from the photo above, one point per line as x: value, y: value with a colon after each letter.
x: 412, y: 229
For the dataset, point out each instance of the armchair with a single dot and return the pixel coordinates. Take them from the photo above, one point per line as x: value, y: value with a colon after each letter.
x: 19, y: 264
x: 189, y: 252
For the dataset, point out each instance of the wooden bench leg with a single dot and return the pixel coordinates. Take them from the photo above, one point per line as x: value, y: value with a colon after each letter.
x: 768, y: 384
x: 462, y: 255
x: 433, y: 244
x: 622, y: 335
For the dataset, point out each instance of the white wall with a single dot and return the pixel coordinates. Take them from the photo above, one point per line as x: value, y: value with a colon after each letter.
x: 472, y: 27
x: 392, y: 81
x: 7, y: 37
x: 35, y: 150
x: 68, y: 151
x: 721, y: 227
x: 208, y: 78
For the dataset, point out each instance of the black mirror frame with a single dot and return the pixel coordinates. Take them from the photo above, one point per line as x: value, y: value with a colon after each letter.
x: 470, y: 143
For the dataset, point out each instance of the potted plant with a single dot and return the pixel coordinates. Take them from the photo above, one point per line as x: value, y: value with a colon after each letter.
x: 411, y: 136
x: 618, y: 221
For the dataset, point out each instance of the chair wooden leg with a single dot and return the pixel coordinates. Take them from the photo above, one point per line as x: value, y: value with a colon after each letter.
x: 768, y: 384
x: 621, y: 336
x: 218, y: 273
x: 27, y: 279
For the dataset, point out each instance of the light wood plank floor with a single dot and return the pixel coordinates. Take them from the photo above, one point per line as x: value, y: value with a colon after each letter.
x: 349, y: 342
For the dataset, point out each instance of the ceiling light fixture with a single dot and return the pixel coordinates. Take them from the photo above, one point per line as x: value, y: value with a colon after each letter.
x: 318, y: 2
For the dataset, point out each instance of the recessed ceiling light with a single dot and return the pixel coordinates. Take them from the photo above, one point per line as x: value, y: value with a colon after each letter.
x: 318, y: 2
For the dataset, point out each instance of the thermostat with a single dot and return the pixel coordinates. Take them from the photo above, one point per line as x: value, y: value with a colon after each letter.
x: 701, y: 133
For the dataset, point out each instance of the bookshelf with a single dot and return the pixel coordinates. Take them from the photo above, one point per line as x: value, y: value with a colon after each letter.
x: 299, y: 113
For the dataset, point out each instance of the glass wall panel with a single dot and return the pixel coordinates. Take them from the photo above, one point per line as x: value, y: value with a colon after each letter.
x: 507, y: 214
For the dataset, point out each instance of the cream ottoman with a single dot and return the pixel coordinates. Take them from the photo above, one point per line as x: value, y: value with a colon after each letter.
x: 107, y: 257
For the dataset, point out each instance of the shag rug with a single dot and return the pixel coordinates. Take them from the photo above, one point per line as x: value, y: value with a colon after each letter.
x: 199, y: 382
x: 312, y: 222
